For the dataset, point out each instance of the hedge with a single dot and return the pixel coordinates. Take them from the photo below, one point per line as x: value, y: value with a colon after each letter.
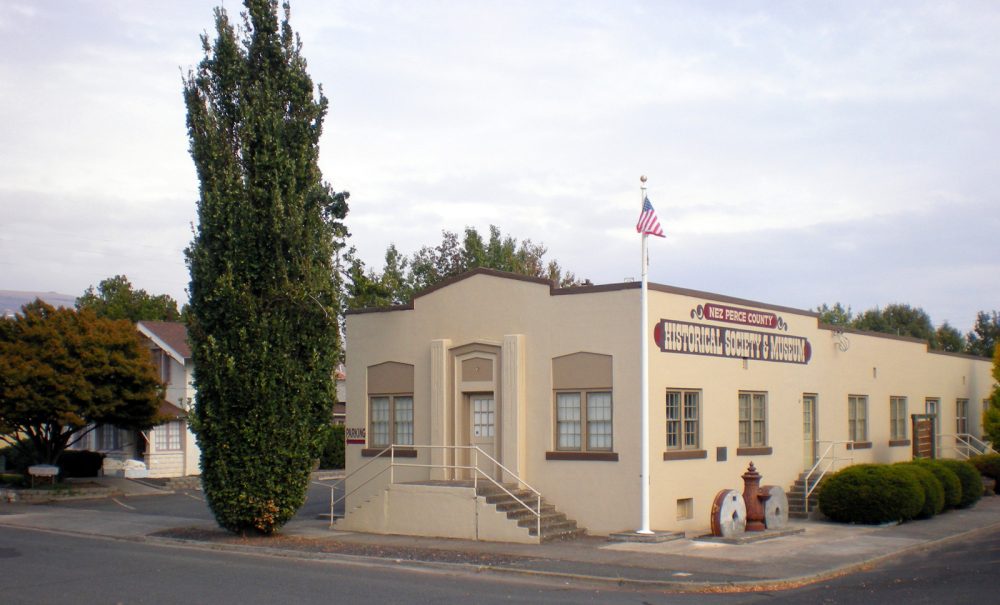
x: 972, y: 482
x: 988, y: 466
x: 82, y: 463
x: 949, y: 481
x: 332, y: 455
x: 933, y: 490
x: 871, y: 494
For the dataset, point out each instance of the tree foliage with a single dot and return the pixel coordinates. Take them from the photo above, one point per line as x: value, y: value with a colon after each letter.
x: 947, y: 338
x: 991, y: 413
x: 116, y: 299
x: 898, y: 319
x: 985, y: 334
x: 402, y: 277
x: 836, y: 315
x: 63, y: 371
x: 264, y: 300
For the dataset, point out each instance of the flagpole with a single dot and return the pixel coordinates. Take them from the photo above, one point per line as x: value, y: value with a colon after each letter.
x: 644, y: 389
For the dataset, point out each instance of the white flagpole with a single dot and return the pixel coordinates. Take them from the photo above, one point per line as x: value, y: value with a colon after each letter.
x: 644, y: 389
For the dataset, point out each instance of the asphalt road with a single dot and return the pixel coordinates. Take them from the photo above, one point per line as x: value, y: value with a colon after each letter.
x: 191, y: 504
x: 42, y: 567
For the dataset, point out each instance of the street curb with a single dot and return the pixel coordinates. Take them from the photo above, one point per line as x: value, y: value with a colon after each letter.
x: 417, y: 565
x: 669, y: 585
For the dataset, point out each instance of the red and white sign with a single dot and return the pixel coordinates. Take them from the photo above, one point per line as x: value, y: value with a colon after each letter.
x: 355, y: 436
x: 736, y: 315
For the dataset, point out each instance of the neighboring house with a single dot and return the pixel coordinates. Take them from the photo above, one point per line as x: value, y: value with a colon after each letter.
x: 547, y: 381
x: 170, y: 448
x: 340, y: 407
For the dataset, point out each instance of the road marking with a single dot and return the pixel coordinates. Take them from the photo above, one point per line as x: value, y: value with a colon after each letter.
x: 122, y: 504
x: 198, y: 498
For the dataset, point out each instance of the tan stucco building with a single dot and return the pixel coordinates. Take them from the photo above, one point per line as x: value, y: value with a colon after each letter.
x: 547, y: 382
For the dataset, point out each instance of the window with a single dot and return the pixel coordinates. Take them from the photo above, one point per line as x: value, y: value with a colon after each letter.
x: 857, y: 418
x: 932, y: 405
x: 961, y: 416
x: 683, y: 420
x: 162, y: 362
x: 391, y: 418
x: 578, y: 424
x: 167, y: 437
x: 108, y: 438
x: 583, y: 410
x: 753, y: 419
x: 897, y: 418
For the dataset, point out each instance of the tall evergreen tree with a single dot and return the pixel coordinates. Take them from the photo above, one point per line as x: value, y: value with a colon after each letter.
x: 264, y: 303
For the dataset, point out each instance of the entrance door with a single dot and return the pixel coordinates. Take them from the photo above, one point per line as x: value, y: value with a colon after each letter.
x: 482, y: 430
x: 809, y: 445
x: 933, y: 407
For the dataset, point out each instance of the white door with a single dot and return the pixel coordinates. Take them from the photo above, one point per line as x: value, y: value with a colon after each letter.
x: 809, y: 431
x: 482, y: 430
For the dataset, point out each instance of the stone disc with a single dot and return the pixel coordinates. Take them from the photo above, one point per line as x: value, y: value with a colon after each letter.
x: 729, y: 514
x: 775, y: 506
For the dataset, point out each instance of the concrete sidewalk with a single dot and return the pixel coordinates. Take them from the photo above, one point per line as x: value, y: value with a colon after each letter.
x: 823, y: 550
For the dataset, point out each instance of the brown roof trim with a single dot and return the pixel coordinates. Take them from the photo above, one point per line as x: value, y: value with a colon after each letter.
x: 962, y: 355
x: 833, y: 328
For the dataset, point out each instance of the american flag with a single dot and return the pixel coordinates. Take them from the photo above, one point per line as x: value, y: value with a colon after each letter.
x: 648, y: 222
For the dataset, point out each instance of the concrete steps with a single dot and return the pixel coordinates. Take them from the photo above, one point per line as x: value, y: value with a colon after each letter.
x: 554, y: 524
x: 796, y: 500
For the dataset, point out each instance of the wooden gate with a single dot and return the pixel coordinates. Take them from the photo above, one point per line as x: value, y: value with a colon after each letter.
x: 924, y: 439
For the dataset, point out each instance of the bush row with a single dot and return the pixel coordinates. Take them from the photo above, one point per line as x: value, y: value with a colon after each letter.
x: 332, y: 455
x: 880, y: 493
x: 989, y: 466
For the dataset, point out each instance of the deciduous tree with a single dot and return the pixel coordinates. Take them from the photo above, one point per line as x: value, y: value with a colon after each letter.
x: 264, y: 300
x: 116, y: 299
x: 63, y: 371
x: 985, y: 334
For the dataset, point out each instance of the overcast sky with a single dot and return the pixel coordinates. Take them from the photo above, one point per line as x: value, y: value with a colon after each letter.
x: 797, y: 152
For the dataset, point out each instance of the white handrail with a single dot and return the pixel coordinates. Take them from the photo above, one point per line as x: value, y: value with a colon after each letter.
x: 476, y: 470
x: 828, y: 459
x: 965, y: 444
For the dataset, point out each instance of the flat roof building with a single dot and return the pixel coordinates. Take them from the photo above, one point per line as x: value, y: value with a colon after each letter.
x: 541, y: 385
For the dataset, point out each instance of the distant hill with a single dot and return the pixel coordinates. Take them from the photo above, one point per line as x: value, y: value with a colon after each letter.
x: 11, y: 301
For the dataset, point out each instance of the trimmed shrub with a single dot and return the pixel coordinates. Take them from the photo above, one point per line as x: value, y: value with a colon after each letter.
x: 332, y: 455
x: 972, y: 482
x: 933, y: 490
x: 82, y: 463
x: 988, y: 466
x: 19, y: 458
x: 949, y: 481
x: 871, y: 494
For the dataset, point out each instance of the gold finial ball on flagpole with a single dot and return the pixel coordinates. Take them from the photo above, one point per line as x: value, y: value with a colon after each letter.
x: 642, y: 179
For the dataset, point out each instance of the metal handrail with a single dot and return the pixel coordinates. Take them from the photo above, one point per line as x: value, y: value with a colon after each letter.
x: 966, y: 443
x: 828, y: 459
x: 391, y: 450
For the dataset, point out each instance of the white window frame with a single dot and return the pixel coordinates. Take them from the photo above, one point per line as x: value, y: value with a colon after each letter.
x: 399, y: 422
x: 752, y: 419
x: 857, y: 418
x: 167, y: 436
x: 897, y: 417
x: 683, y: 419
x: 582, y: 418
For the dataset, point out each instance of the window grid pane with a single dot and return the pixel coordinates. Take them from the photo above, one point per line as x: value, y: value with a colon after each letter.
x: 403, y: 420
x: 744, y: 420
x: 599, y: 421
x: 568, y: 420
x: 380, y: 421
x: 673, y: 419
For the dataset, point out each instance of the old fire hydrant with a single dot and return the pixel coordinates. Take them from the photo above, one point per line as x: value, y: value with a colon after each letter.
x: 752, y: 499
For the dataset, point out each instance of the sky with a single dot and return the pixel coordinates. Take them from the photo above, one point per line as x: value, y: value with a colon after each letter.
x: 797, y: 153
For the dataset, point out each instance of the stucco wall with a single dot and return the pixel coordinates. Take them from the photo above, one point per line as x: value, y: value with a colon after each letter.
x: 603, y: 496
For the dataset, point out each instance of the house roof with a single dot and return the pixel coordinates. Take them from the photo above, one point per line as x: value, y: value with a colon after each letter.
x: 169, y: 411
x: 171, y: 336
